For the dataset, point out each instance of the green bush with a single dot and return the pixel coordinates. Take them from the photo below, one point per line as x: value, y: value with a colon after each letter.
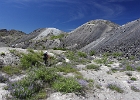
x: 60, y: 36
x: 101, y: 61
x: 25, y: 88
x: 134, y: 88
x: 67, y: 85
x: 129, y: 68
x: 31, y: 59
x: 66, y: 68
x: 115, y: 87
x: 138, y: 69
x: 55, y: 48
x: 128, y: 73
x: 133, y: 79
x: 82, y: 54
x: 11, y: 70
x: 46, y: 75
x: 92, y: 53
x: 2, y: 54
x: 16, y: 53
x: 117, y: 54
x: 93, y: 66
x: 77, y: 57
x: 33, y: 84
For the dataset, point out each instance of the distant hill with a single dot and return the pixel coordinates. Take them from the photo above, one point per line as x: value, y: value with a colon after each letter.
x: 88, y: 33
x: 125, y: 38
x: 9, y: 37
x: 96, y: 35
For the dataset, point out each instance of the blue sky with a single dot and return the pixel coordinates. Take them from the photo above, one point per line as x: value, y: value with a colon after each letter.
x: 66, y: 15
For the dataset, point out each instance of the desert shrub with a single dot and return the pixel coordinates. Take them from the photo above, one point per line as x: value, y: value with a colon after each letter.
x: 31, y: 59
x: 2, y: 54
x: 40, y: 96
x: 60, y: 36
x: 56, y: 48
x: 34, y: 83
x: 46, y: 75
x: 24, y: 88
x: 82, y: 54
x: 3, y: 79
x: 113, y: 70
x: 101, y: 61
x: 115, y: 87
x: 138, y: 69
x: 93, y: 66
x: 66, y: 68
x: 91, y: 53
x: 129, y: 68
x: 128, y: 73
x: 77, y: 57
x: 67, y: 85
x: 134, y: 88
x: 117, y: 54
x: 16, y: 53
x: 11, y: 70
x: 133, y: 79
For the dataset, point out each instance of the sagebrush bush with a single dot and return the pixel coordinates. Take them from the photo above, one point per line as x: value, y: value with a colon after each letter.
x: 60, y: 36
x: 129, y: 68
x: 115, y: 87
x: 82, y: 54
x: 66, y: 68
x: 67, y: 85
x: 2, y: 54
x: 91, y: 53
x: 31, y: 59
x: 138, y: 69
x: 77, y: 57
x: 134, y: 88
x: 11, y: 70
x: 104, y: 60
x: 24, y: 88
x: 93, y: 66
x: 133, y: 79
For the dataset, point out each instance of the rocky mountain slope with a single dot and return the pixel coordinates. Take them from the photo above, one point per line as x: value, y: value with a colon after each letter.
x: 88, y: 33
x: 96, y: 35
x: 125, y: 38
x: 9, y: 37
x: 39, y: 39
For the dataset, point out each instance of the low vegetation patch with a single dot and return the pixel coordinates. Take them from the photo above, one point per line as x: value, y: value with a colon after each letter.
x: 129, y: 73
x: 11, y: 70
x: 129, y: 68
x: 66, y: 68
x: 134, y: 88
x: 92, y: 53
x: 3, y: 79
x: 31, y: 59
x: 115, y: 87
x: 77, y: 57
x: 133, y: 79
x: 138, y: 69
x: 60, y: 36
x: 67, y: 85
x: 93, y: 66
x: 101, y: 61
x: 2, y: 54
x: 82, y: 54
